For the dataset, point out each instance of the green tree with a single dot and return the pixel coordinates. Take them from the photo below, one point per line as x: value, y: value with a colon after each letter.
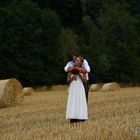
x: 120, y: 41
x: 28, y: 40
x: 67, y: 42
x: 69, y: 11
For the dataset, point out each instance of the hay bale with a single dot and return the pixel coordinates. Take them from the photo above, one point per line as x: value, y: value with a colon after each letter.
x: 95, y: 87
x: 27, y: 90
x: 111, y: 86
x: 10, y: 92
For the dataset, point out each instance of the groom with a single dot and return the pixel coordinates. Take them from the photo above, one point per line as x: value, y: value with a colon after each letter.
x: 85, y: 69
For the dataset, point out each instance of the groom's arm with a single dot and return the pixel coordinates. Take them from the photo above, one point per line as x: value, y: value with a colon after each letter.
x: 69, y: 66
x: 86, y: 66
x: 83, y: 70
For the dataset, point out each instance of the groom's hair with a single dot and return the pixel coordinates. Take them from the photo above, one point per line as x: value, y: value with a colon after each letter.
x: 71, y: 54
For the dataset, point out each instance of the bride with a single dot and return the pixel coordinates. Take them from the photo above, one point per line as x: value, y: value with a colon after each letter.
x: 76, y: 104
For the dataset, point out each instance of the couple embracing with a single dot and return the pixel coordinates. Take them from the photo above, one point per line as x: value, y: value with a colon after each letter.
x: 77, y: 79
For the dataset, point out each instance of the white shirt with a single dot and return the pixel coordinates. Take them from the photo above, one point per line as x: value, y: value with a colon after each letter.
x: 84, y: 65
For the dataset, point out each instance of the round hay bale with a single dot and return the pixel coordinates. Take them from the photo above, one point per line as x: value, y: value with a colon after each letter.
x: 27, y: 90
x: 111, y: 86
x: 10, y: 92
x: 95, y: 87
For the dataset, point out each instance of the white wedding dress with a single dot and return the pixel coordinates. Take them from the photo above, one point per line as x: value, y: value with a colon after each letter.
x: 76, y: 104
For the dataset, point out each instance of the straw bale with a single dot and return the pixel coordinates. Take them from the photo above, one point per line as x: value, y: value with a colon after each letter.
x: 95, y: 87
x: 27, y: 90
x: 10, y: 92
x: 111, y: 86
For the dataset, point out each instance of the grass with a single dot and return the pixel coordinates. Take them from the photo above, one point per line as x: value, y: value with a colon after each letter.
x: 112, y: 116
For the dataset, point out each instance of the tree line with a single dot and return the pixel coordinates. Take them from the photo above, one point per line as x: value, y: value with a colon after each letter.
x: 36, y: 37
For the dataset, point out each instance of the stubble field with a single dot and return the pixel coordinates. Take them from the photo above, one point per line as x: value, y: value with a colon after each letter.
x: 112, y: 116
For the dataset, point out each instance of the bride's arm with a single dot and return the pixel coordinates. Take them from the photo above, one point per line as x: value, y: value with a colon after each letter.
x: 83, y: 77
x: 70, y: 78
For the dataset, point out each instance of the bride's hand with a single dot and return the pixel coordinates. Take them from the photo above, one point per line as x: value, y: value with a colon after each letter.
x: 74, y: 77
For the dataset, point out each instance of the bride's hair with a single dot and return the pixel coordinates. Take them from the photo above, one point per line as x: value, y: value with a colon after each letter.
x: 81, y: 59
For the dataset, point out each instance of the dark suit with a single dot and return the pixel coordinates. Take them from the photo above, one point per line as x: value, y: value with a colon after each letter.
x: 87, y: 86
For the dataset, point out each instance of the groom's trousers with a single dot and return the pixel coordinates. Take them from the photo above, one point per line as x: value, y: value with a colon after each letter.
x: 86, y: 86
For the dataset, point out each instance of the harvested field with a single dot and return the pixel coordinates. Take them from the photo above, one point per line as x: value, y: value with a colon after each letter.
x: 112, y: 116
